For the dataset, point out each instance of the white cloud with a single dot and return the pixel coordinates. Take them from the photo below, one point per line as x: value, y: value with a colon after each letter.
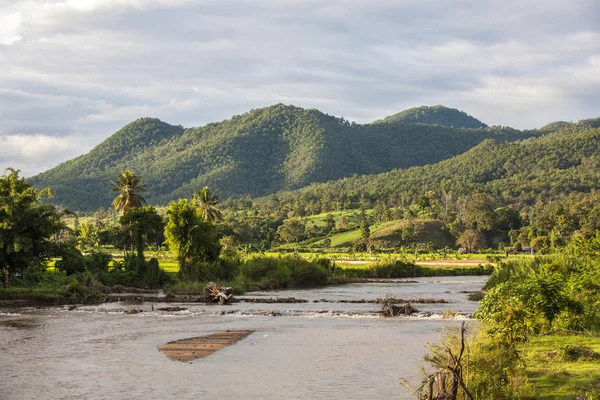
x: 9, y: 28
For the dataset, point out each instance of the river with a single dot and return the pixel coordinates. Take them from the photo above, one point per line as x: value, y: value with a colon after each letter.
x: 313, y: 350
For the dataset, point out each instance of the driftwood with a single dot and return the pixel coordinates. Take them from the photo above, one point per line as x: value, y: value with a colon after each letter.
x: 390, y: 307
x: 217, y: 294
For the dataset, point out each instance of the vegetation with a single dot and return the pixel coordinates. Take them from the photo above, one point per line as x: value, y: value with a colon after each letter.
x: 514, y: 192
x: 189, y: 236
x: 258, y: 153
x: 436, y: 115
x: 26, y: 227
x: 130, y: 188
x: 540, y: 326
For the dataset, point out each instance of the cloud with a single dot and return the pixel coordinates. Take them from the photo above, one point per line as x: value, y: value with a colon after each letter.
x: 9, y: 28
x: 78, y: 70
x: 32, y: 153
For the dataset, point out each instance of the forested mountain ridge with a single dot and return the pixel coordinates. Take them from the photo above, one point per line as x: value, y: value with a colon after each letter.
x: 435, y: 115
x: 521, y: 173
x: 257, y: 153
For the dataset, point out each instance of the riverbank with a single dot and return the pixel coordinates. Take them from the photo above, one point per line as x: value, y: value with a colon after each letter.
x: 57, y: 288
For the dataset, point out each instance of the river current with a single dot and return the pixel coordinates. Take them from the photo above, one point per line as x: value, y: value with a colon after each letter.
x: 328, y: 349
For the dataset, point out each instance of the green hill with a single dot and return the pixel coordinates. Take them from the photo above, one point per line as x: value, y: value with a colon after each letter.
x: 257, y: 153
x: 523, y: 172
x: 436, y: 115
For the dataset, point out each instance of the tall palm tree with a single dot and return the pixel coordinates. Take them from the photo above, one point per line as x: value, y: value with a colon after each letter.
x: 130, y: 188
x: 207, y: 203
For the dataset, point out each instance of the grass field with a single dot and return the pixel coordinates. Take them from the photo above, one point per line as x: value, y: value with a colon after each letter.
x: 551, y: 377
x: 346, y: 239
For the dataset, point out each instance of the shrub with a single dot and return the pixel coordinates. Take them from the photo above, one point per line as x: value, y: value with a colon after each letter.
x: 72, y: 261
x: 577, y: 353
x: 97, y: 261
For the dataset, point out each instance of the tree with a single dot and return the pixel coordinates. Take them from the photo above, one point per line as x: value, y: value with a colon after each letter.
x: 471, y: 240
x: 292, y: 230
x: 206, y: 202
x: 130, y: 188
x: 26, y: 226
x: 329, y: 223
x: 365, y: 230
x: 189, y: 237
x: 88, y: 234
x: 144, y: 225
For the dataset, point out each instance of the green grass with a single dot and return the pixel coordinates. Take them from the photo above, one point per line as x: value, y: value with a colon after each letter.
x: 169, y: 266
x: 51, y: 286
x: 346, y: 239
x: 549, y: 378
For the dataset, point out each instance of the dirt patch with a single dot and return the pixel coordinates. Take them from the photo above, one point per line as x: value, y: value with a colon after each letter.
x: 191, y: 349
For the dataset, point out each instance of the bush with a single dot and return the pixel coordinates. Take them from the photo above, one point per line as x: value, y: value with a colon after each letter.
x: 308, y: 274
x: 284, y: 272
x: 72, y: 261
x: 218, y: 271
x: 97, y: 261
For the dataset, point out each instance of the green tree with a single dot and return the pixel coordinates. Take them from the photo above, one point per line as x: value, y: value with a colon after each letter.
x: 189, y: 236
x: 365, y: 230
x: 144, y: 225
x: 26, y: 226
x: 329, y: 223
x: 206, y: 203
x: 130, y: 188
x: 88, y: 234
x: 292, y: 230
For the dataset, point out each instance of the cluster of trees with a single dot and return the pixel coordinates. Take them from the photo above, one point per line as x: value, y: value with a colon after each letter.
x: 32, y: 232
x: 261, y: 152
x: 27, y: 227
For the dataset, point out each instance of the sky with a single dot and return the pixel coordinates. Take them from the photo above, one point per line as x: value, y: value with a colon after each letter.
x: 73, y: 72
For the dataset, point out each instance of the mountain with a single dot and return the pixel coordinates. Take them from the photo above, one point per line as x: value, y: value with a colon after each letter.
x: 257, y: 153
x: 436, y: 115
x: 540, y: 168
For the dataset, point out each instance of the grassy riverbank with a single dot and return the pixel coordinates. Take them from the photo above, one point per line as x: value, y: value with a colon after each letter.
x: 253, y: 273
x: 539, y: 336
x: 561, y: 367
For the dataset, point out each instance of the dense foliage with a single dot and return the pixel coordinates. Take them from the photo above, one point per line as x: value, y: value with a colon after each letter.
x: 27, y: 228
x: 436, y: 115
x: 257, y: 153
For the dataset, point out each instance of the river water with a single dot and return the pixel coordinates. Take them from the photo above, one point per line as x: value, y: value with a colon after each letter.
x: 314, y: 350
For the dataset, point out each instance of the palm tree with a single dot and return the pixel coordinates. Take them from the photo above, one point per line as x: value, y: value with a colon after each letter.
x: 130, y: 188
x: 207, y: 203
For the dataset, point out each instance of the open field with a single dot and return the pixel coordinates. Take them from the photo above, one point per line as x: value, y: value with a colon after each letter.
x: 549, y: 376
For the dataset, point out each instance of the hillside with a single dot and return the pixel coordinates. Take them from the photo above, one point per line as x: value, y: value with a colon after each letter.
x: 257, y: 153
x: 436, y: 115
x: 554, y: 165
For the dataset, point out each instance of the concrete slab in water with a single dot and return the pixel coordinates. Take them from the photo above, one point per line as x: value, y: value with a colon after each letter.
x: 190, y: 349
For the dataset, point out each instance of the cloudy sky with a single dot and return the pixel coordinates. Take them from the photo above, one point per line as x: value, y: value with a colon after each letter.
x: 72, y: 72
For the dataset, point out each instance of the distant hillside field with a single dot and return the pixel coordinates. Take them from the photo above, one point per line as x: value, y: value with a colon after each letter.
x: 264, y: 151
